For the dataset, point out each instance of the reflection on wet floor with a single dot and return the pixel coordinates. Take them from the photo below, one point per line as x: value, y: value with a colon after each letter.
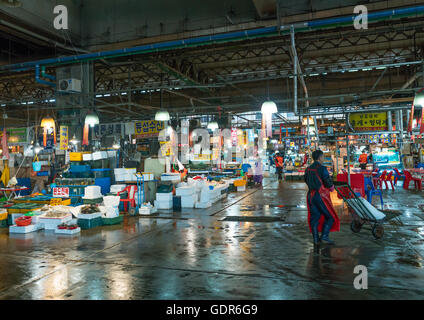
x: 253, y: 245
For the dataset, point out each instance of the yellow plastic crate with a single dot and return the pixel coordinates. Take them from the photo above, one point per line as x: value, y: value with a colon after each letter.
x: 239, y: 183
x: 60, y: 202
x: 3, y: 216
x: 75, y: 156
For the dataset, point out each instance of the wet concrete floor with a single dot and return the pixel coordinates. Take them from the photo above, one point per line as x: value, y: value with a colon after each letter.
x: 252, y: 245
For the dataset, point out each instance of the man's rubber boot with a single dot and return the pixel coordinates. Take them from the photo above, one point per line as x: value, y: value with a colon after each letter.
x: 325, y: 234
x: 315, y: 235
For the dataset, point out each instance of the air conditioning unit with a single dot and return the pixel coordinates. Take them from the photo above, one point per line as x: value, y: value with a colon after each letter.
x: 70, y: 85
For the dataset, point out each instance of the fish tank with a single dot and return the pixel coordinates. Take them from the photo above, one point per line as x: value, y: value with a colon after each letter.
x: 387, y: 159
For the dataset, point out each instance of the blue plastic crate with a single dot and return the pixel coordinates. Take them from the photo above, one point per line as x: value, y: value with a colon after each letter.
x: 42, y: 173
x: 79, y: 168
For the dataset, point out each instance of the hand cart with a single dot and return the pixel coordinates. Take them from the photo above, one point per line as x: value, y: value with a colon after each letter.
x: 361, y: 211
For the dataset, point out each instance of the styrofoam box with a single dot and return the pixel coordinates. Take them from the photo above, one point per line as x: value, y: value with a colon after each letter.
x: 16, y: 216
x: 130, y: 170
x: 111, y: 154
x: 117, y: 188
x: 120, y: 177
x: 185, y: 191
x: 89, y: 216
x: 203, y: 205
x: 171, y: 177
x: 164, y: 196
x: 26, y: 229
x: 120, y: 171
x: 87, y: 156
x: 188, y: 201
x: 66, y: 231
x: 97, y: 155
x: 243, y: 188
x: 166, y: 205
x: 52, y: 223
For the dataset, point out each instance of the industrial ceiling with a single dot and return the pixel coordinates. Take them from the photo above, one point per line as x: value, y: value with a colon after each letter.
x: 343, y: 68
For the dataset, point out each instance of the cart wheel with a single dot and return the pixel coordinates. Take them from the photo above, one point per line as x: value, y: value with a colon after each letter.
x: 355, y: 226
x: 378, y: 231
x: 131, y: 211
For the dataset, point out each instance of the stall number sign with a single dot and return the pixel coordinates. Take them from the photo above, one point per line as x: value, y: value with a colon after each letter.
x: 148, y: 128
x: 61, y: 192
x: 369, y: 121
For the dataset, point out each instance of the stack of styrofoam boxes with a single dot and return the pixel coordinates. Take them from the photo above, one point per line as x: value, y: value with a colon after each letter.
x: 99, y: 155
x: 115, y: 188
x: 87, y: 156
x: 188, y: 196
x: 205, y: 198
x: 52, y: 223
x: 164, y: 200
x: 174, y: 177
x: 92, y: 192
x: 148, y: 176
x: 120, y: 174
x: 124, y: 174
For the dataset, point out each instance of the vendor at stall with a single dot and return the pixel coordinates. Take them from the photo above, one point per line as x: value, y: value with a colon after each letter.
x: 363, y: 160
x: 279, y: 163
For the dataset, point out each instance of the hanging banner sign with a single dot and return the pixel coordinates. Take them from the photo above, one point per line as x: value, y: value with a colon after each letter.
x: 148, y: 128
x: 15, y: 135
x: 64, y: 137
x: 369, y: 121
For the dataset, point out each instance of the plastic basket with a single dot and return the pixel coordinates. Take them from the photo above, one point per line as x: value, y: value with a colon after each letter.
x: 36, y: 166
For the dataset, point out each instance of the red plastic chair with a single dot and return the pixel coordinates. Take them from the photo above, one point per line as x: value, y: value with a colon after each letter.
x: 398, y: 175
x: 409, y: 178
x: 379, y: 181
x: 388, y: 178
x: 131, y: 196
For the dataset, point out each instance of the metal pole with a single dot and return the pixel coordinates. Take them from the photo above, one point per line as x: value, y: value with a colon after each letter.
x: 348, y: 158
x: 294, y: 69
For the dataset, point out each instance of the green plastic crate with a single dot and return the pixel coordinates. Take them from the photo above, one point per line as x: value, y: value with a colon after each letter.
x: 4, y: 223
x: 85, y: 224
x: 112, y: 221
x: 92, y: 201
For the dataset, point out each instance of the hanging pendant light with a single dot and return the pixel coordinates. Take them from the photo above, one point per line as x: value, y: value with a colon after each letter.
x: 74, y: 140
x: 269, y: 107
x: 213, y: 125
x: 48, y: 123
x: 91, y: 119
x: 162, y: 115
x: 37, y: 148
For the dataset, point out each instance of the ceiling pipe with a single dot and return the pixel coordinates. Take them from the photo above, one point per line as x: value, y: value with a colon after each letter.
x: 218, y: 38
x: 41, y: 81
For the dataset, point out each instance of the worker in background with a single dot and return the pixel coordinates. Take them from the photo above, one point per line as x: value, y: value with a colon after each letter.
x: 363, y: 160
x: 321, y: 214
x: 279, y: 164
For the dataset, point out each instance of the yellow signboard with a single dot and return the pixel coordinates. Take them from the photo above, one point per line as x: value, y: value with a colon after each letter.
x: 369, y: 121
x: 64, y: 137
x: 148, y: 128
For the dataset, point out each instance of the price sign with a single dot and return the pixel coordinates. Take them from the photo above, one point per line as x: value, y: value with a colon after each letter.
x: 61, y: 192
